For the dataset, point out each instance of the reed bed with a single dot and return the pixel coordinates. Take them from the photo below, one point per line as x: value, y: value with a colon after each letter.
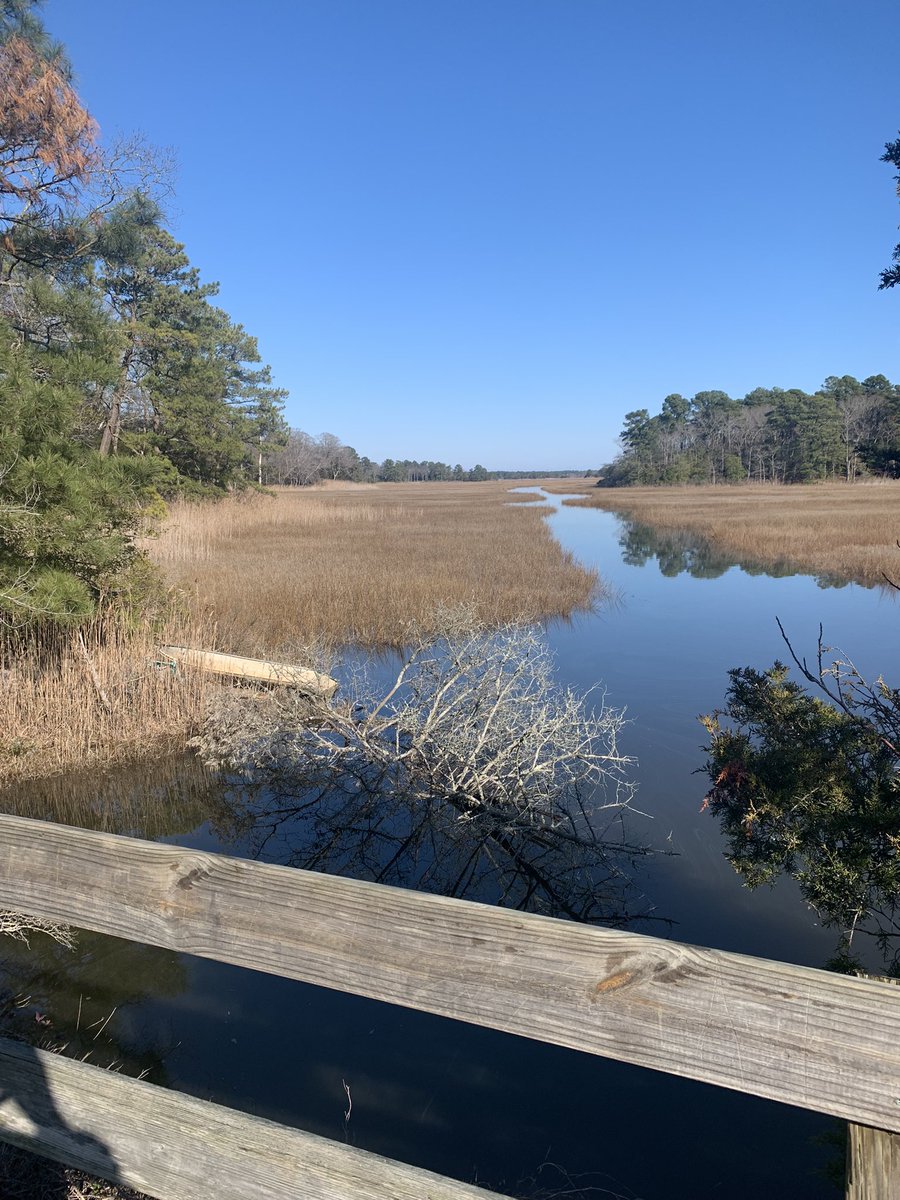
x: 361, y: 566
x: 95, y: 697
x: 839, y: 530
x: 286, y: 576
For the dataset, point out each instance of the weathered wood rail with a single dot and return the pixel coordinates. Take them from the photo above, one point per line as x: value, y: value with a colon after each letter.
x: 805, y: 1037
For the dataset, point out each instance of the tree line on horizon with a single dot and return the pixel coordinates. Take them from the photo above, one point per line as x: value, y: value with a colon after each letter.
x: 845, y: 430
x: 302, y: 460
x: 121, y: 381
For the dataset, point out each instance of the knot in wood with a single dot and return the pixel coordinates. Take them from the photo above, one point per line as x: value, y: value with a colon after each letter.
x: 191, y: 870
x: 626, y: 971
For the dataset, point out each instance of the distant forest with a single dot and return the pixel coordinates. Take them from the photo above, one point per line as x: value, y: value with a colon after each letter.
x: 304, y: 459
x: 845, y: 430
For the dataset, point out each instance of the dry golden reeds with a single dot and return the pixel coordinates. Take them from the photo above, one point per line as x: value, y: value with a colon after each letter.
x: 360, y: 566
x: 271, y: 576
x: 94, y: 696
x: 841, y: 530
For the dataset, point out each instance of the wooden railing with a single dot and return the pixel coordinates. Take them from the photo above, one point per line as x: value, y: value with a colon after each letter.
x: 810, y: 1038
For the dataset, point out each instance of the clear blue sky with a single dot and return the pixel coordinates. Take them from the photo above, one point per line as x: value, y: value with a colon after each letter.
x: 486, y: 229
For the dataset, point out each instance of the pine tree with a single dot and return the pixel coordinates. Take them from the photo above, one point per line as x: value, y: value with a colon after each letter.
x: 188, y: 386
x: 68, y: 516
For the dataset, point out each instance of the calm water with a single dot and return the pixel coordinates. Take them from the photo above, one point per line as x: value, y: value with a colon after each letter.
x: 516, y: 1116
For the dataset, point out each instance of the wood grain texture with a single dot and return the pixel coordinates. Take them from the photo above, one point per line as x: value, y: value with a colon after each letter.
x: 873, y: 1164
x: 175, y: 1147
x: 821, y: 1041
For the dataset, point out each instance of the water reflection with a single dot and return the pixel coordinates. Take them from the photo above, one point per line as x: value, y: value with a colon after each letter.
x: 682, y: 552
x: 152, y: 799
x: 85, y: 1001
x: 88, y: 1002
x: 580, y: 868
x: 457, y: 1099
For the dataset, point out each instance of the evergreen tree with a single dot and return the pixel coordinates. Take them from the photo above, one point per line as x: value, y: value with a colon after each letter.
x: 189, y: 387
x: 844, y: 430
x: 808, y: 786
x: 48, y: 145
x: 891, y: 276
x: 119, y: 379
x: 67, y: 517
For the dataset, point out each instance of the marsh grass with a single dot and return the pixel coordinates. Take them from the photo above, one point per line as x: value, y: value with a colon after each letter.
x: 56, y: 714
x: 524, y: 498
x: 832, y: 529
x: 348, y: 566
x: 286, y: 575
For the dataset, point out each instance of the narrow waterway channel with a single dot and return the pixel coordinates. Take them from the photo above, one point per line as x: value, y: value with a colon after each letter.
x: 681, y: 617
x: 516, y: 1116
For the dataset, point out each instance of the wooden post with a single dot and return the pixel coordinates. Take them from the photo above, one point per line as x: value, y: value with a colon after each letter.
x: 873, y: 1155
x: 873, y: 1164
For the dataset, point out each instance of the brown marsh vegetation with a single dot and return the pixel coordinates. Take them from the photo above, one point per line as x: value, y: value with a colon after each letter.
x: 272, y: 575
x: 361, y: 565
x: 847, y: 531
x: 94, y: 698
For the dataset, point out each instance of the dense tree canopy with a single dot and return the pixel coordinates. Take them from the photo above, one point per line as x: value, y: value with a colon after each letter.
x: 846, y: 429
x: 121, y: 382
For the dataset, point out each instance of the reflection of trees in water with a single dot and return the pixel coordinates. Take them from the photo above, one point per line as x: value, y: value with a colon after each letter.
x: 82, y: 1000
x: 161, y: 797
x: 471, y: 772
x: 682, y: 552
x: 581, y: 867
x: 483, y: 784
x: 677, y: 552
x: 535, y: 829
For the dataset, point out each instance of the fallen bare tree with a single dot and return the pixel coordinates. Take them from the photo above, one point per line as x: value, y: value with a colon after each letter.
x: 470, y: 771
x: 20, y: 926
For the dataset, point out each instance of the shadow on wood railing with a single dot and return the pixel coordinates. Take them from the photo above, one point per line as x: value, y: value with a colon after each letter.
x: 805, y: 1037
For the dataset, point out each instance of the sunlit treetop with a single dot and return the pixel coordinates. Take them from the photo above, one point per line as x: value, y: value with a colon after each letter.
x: 891, y: 275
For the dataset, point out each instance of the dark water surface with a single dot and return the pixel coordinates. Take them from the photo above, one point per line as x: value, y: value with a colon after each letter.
x: 511, y: 1114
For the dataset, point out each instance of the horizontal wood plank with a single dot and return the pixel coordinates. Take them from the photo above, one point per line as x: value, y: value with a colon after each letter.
x: 822, y: 1041
x: 175, y: 1147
